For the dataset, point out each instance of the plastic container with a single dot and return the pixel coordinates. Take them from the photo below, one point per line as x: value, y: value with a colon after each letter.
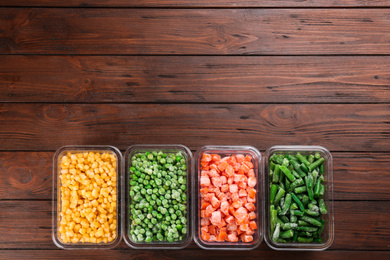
x: 328, y: 232
x: 132, y: 150
x: 57, y: 196
x: 227, y: 151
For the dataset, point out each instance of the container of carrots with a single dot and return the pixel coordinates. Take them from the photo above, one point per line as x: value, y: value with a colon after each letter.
x: 227, y: 198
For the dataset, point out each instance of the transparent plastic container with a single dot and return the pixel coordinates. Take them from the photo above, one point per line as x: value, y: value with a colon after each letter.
x: 132, y: 150
x: 228, y: 151
x: 328, y: 232
x: 57, y: 196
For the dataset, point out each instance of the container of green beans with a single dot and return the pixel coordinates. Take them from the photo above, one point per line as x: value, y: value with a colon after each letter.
x: 299, y: 198
x: 157, y: 197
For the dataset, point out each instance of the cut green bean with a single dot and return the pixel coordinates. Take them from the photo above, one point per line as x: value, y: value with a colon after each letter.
x: 296, y: 183
x: 287, y: 173
x: 276, y: 232
x: 273, y: 191
x: 302, y: 159
x: 275, y: 178
x: 305, y: 239
x: 287, y: 184
x: 322, y: 190
x: 284, y: 219
x: 311, y: 221
x: 307, y: 229
x: 293, y: 206
x: 298, y: 201
x: 304, y: 168
x: 296, y: 212
x: 272, y: 166
x: 273, y: 218
x: 286, y: 205
x: 287, y: 234
x: 311, y: 213
x: 276, y: 159
x: 287, y: 226
x: 323, y: 209
x: 316, y: 164
x: 310, y: 158
x: 317, y: 188
x: 300, y: 189
x: 279, y: 195
x: 303, y: 223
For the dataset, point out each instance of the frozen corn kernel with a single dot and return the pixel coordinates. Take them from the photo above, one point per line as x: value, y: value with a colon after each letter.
x: 88, y: 198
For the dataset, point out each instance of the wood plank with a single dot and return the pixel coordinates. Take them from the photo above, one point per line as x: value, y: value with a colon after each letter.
x: 340, y: 127
x: 192, y: 254
x: 194, y: 31
x: 194, y: 79
x: 28, y: 225
x: 199, y: 3
x: 357, y: 176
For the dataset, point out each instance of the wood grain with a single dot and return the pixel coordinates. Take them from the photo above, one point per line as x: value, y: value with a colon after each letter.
x: 194, y: 31
x: 357, y: 176
x: 355, y: 222
x: 339, y: 127
x: 191, y: 254
x: 194, y: 79
x: 199, y: 3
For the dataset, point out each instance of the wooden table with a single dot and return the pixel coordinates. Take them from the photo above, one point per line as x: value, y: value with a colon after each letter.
x: 244, y: 72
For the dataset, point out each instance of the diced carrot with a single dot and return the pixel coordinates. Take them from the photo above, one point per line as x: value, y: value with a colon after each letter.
x: 213, y: 238
x: 222, y: 235
x: 206, y: 236
x: 252, y: 182
x: 232, y: 237
x: 205, y: 229
x: 203, y: 213
x: 251, y: 173
x: 245, y: 168
x: 223, y: 179
x: 212, y: 230
x: 224, y: 188
x: 204, y: 181
x: 206, y: 157
x: 205, y: 204
x: 214, y: 168
x: 251, y: 193
x: 236, y: 204
x: 234, y: 196
x: 248, y: 158
x: 242, y: 193
x: 204, y: 191
x: 215, y: 202
x: 250, y: 206
x: 236, y: 167
x: 246, y: 238
x: 250, y: 232
x: 222, y: 224
x: 229, y: 219
x: 230, y: 171
x: 204, y: 173
x: 232, y: 227
x: 204, y: 165
x: 233, y: 188
x: 240, y: 158
x: 253, y: 225
x: 215, y: 157
x: 217, y: 182
x: 240, y: 214
x: 232, y: 160
x: 240, y: 172
x: 225, y: 207
x: 208, y: 196
x: 216, y: 218
x: 230, y: 180
x: 232, y: 211
x: 242, y: 185
x: 208, y: 211
x: 252, y: 215
x: 249, y: 164
x: 239, y: 231
x: 222, y: 165
x: 243, y: 200
x: 244, y: 227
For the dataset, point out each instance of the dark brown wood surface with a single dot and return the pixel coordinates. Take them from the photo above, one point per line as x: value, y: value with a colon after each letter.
x: 165, y: 79
x: 261, y: 73
x: 198, y: 3
x: 194, y: 31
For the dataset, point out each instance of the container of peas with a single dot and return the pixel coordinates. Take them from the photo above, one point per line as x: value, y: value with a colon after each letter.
x: 157, y: 197
x: 299, y: 198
